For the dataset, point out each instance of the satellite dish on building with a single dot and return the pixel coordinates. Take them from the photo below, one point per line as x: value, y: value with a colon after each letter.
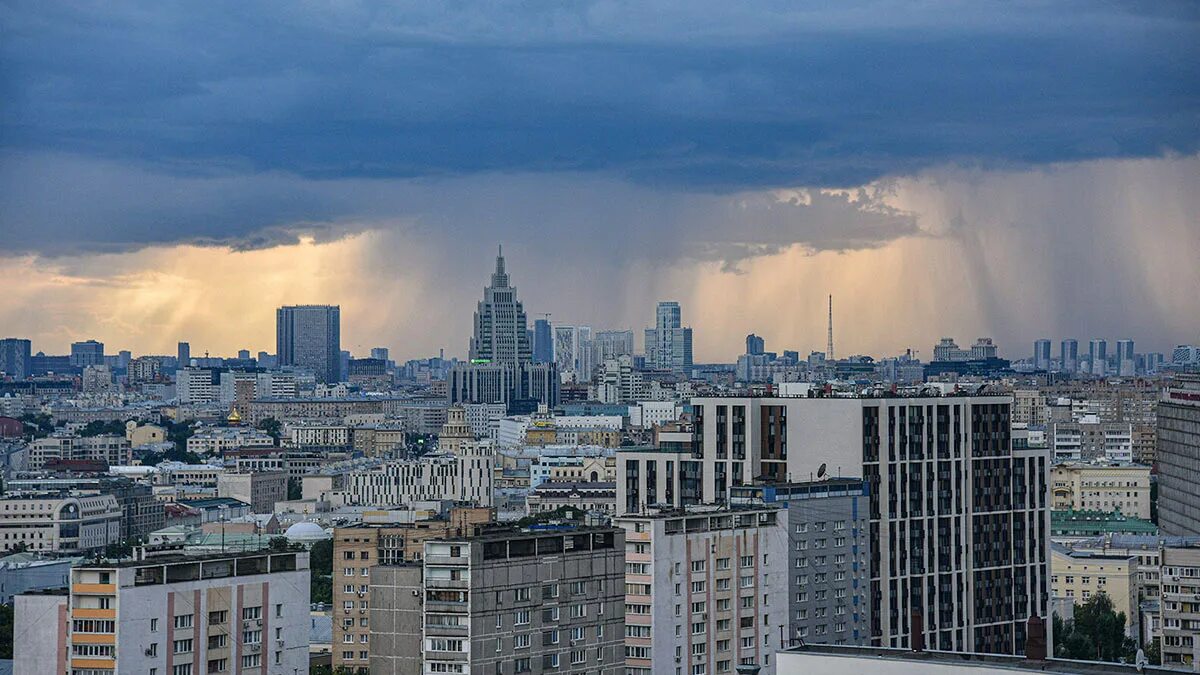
x: 821, y: 470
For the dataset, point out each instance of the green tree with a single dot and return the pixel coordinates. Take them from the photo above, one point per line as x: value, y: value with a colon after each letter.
x: 295, y: 489
x: 1097, y: 633
x: 6, y: 631
x: 39, y: 425
x: 1154, y: 652
x: 272, y: 427
x: 101, y: 427
x: 320, y: 570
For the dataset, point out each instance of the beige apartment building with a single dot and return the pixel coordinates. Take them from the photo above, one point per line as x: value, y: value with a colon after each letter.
x: 1078, y: 575
x: 1101, y: 487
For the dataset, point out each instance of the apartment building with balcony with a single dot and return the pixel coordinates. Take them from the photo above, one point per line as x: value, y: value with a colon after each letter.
x: 515, y: 601
x: 357, y: 553
x: 241, y: 614
x: 705, y: 589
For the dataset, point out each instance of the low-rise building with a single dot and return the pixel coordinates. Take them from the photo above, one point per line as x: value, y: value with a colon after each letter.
x: 106, y: 448
x: 1079, y: 575
x: 25, y: 572
x: 52, y: 522
x: 216, y: 440
x: 259, y: 489
x: 1101, y: 487
x: 550, y: 496
x: 466, y: 476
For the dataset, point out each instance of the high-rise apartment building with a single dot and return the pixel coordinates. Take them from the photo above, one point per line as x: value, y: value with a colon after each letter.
x: 755, y: 345
x: 828, y: 548
x: 669, y: 344
x: 1069, y: 355
x: 1177, y: 453
x: 525, y: 601
x: 1126, y: 359
x: 310, y: 337
x: 183, y: 355
x: 16, y: 358
x: 1041, y: 354
x: 359, y: 551
x: 176, y: 615
x: 1098, y: 357
x: 702, y: 589
x: 954, y: 508
x: 1178, y: 606
x: 87, y: 353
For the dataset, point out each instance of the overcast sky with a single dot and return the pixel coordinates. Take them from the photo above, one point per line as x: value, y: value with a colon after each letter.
x: 175, y: 171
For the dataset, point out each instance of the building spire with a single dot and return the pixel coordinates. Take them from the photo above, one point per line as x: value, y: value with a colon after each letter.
x: 499, y: 277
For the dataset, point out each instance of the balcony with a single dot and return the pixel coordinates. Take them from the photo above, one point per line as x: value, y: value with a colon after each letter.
x: 94, y: 589
x: 93, y: 613
x: 94, y: 638
x: 436, y: 559
x: 460, y: 657
x: 446, y: 631
x: 456, y: 584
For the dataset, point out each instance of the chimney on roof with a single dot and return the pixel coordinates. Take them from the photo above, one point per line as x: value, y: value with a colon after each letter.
x: 1035, y: 639
x: 917, y: 632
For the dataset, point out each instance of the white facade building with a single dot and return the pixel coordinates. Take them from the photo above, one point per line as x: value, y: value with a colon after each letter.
x: 47, y: 522
x: 702, y: 589
x: 466, y: 476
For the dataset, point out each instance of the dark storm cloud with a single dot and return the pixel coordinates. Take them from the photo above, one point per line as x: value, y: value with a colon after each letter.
x: 128, y: 123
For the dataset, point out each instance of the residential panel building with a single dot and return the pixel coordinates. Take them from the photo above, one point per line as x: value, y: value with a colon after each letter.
x: 182, y: 615
x: 702, y: 589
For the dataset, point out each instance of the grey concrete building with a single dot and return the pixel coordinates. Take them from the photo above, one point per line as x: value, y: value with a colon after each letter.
x: 828, y: 549
x: 1178, y: 455
x: 396, y: 620
x: 520, y: 601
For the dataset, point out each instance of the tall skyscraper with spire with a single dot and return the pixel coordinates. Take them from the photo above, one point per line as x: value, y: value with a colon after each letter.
x: 502, y: 368
x: 501, y: 330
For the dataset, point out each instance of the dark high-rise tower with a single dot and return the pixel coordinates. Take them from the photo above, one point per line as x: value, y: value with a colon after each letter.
x: 501, y: 329
x: 543, y: 341
x: 1069, y: 355
x: 755, y: 345
x: 16, y: 358
x: 310, y: 336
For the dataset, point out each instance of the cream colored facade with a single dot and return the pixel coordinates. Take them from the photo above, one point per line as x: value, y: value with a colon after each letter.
x: 146, y: 434
x: 1100, y: 487
x: 1078, y: 576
